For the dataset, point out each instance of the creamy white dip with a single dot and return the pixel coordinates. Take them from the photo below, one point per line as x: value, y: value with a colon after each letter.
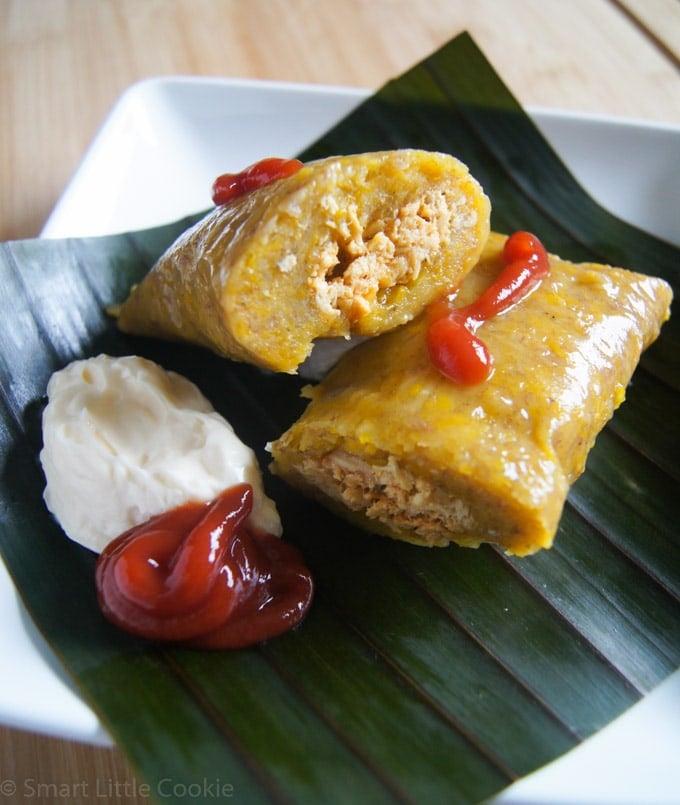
x: 125, y: 440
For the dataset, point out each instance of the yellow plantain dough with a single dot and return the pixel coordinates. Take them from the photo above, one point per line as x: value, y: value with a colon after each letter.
x: 350, y: 245
x: 399, y: 450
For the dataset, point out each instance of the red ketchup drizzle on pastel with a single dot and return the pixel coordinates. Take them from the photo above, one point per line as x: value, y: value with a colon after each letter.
x: 200, y: 576
x: 230, y: 186
x: 454, y: 347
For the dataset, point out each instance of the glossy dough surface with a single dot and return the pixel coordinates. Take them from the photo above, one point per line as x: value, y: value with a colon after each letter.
x: 348, y: 245
x: 399, y: 450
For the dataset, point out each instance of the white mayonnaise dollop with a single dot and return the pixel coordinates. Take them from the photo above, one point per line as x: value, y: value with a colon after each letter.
x: 125, y: 440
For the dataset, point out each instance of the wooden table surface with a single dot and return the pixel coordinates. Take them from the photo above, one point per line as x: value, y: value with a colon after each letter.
x: 64, y: 63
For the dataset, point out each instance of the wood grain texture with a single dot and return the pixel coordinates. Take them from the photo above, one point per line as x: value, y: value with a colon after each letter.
x: 660, y: 20
x: 43, y: 769
x: 64, y: 63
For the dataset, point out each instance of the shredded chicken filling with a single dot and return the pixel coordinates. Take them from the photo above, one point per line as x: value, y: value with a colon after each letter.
x: 355, y: 263
x: 389, y: 494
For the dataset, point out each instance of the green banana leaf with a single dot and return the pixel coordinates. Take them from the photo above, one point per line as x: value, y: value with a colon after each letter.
x: 419, y: 675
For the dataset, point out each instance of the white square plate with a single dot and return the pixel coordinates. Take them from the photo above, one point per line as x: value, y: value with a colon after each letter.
x: 154, y: 161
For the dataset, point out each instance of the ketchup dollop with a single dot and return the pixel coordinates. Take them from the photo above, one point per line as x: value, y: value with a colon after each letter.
x: 230, y: 186
x: 453, y: 346
x: 200, y: 576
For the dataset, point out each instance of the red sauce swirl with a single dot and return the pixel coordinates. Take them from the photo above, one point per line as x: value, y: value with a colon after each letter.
x: 200, y: 576
x: 454, y: 347
x: 230, y: 186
